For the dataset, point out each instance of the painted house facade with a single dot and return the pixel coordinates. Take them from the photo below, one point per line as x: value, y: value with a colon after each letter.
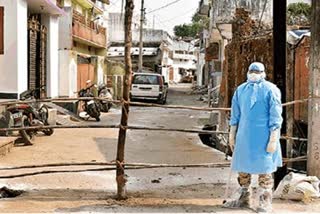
x: 82, y: 44
x: 29, y: 47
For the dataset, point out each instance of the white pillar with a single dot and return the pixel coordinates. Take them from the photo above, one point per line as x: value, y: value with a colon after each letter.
x: 67, y: 73
x: 22, y: 45
x: 100, y: 66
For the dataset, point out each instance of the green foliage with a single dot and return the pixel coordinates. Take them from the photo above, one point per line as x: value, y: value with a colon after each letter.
x: 191, y: 30
x: 299, y: 13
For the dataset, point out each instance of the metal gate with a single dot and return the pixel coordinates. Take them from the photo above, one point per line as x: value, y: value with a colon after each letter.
x: 37, y: 54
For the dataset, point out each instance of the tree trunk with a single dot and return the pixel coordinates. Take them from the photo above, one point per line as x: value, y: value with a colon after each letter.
x: 121, y: 180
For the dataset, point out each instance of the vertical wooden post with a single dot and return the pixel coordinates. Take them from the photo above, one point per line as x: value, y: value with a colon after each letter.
x: 313, y: 166
x: 279, y: 68
x: 290, y: 96
x: 121, y: 180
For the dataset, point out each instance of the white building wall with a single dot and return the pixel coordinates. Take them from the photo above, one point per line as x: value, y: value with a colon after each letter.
x: 68, y: 73
x: 100, y: 64
x: 14, y: 61
x: 22, y: 34
x: 73, y: 75
x: 65, y: 30
x: 52, y: 24
x: 200, y: 65
x: 177, y: 64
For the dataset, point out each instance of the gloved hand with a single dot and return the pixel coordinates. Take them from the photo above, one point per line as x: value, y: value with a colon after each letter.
x: 232, y: 136
x: 273, y: 140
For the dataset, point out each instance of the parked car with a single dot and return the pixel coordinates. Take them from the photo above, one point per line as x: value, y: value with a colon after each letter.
x: 149, y: 86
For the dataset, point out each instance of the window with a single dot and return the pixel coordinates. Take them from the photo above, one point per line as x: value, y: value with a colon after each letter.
x: 146, y: 79
x: 1, y: 30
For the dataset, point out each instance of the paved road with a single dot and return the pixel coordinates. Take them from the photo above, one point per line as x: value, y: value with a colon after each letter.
x: 149, y: 190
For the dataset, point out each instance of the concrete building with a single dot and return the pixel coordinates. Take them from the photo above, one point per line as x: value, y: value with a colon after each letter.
x: 184, y: 63
x: 155, y: 44
x: 29, y: 47
x: 82, y: 44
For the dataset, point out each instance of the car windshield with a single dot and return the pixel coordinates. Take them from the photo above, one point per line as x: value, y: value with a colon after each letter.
x: 145, y: 79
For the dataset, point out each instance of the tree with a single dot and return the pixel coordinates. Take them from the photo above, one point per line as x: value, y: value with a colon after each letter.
x: 191, y: 30
x: 299, y: 14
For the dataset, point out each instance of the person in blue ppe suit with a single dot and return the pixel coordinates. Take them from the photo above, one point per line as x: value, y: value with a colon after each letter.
x: 254, y: 136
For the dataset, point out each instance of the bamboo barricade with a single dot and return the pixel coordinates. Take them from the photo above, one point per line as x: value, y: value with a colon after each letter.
x: 133, y: 128
x: 123, y: 127
x: 121, y: 178
x: 123, y: 102
x: 111, y: 167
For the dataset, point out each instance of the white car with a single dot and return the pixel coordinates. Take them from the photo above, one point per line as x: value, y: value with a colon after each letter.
x: 149, y: 86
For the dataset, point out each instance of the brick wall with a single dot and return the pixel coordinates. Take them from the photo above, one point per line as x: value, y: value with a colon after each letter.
x: 247, y: 45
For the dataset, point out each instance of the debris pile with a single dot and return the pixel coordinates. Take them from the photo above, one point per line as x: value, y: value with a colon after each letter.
x: 5, y: 192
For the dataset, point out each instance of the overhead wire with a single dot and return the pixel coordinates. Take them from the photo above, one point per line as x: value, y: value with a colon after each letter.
x: 163, y: 23
x: 181, y: 15
x: 159, y: 19
x: 162, y: 7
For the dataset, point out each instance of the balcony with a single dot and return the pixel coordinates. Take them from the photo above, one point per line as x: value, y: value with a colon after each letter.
x: 89, y: 36
x: 87, y: 32
x: 96, y: 5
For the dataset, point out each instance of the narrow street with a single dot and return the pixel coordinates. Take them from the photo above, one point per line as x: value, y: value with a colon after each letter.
x: 149, y: 190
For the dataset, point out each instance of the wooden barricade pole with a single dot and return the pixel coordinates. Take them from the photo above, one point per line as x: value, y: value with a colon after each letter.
x: 313, y: 167
x: 121, y: 180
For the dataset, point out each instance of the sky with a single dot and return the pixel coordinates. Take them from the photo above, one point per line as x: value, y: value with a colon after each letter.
x: 178, y: 13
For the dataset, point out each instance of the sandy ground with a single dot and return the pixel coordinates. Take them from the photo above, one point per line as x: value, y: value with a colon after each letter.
x: 149, y: 190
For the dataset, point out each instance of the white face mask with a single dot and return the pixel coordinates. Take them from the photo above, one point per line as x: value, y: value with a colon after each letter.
x: 255, y: 77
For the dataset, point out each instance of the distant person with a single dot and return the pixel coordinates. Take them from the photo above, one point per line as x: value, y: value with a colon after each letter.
x: 254, y: 136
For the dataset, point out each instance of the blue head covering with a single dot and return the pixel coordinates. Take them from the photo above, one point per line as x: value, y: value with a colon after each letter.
x: 256, y: 66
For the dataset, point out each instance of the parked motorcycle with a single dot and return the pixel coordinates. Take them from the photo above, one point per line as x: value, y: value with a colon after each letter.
x: 91, y: 107
x: 27, y: 115
x: 104, y: 92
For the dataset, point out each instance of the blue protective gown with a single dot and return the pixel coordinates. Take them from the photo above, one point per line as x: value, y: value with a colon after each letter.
x: 256, y: 110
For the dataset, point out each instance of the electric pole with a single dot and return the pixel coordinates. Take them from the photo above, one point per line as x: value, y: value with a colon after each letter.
x: 313, y: 167
x: 141, y: 37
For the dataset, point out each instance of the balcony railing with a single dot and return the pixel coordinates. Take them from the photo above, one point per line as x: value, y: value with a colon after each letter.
x: 87, y: 31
